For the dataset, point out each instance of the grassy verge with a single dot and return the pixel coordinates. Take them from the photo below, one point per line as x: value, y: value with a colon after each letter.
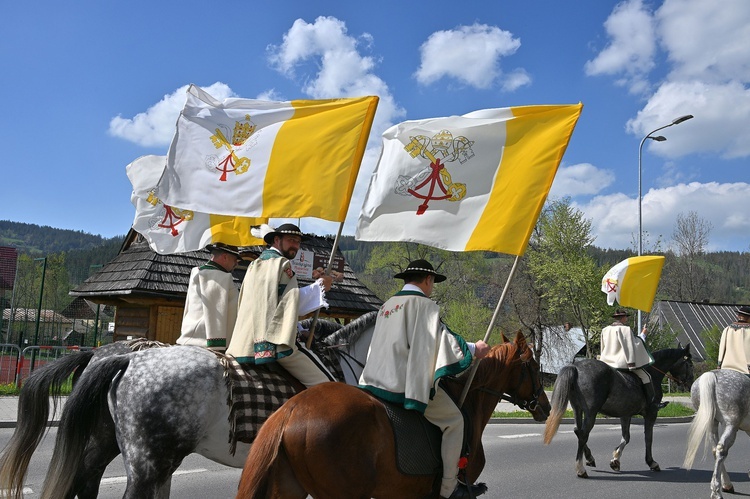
x: 671, y: 411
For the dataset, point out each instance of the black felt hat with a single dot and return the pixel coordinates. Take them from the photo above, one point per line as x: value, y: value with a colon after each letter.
x: 283, y: 230
x: 621, y: 313
x: 420, y: 267
x: 226, y: 248
x: 744, y: 310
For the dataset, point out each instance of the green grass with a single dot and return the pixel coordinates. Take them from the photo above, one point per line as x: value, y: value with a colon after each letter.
x: 673, y: 410
x: 10, y: 389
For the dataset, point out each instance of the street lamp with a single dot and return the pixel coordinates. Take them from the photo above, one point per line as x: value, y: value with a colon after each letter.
x: 657, y: 138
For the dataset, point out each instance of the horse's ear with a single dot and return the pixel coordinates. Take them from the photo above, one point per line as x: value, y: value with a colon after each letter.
x: 504, y: 338
x: 520, y: 338
x: 679, y: 344
x: 687, y: 348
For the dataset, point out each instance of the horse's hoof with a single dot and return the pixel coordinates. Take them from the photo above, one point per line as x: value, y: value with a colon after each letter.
x: 583, y: 474
x: 655, y: 467
x: 729, y: 489
x: 615, y: 464
x: 591, y: 463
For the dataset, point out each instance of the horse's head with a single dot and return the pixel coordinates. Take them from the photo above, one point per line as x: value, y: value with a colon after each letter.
x: 682, y: 369
x: 512, y: 372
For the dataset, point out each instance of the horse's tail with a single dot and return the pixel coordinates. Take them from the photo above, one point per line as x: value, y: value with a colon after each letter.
x: 83, y: 411
x: 263, y: 455
x: 566, y: 380
x: 33, y: 415
x: 700, y: 428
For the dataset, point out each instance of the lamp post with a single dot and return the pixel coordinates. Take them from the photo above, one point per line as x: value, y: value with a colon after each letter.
x: 38, y: 311
x: 657, y: 138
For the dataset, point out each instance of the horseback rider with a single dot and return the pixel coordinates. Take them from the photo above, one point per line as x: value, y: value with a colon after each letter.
x: 211, y: 303
x: 410, y: 351
x: 734, y: 347
x: 270, y: 305
x: 623, y: 350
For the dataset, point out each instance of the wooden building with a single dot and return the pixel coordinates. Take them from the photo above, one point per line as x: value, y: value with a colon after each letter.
x: 148, y: 290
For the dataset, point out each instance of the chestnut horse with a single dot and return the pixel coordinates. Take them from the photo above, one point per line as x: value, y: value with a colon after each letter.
x: 335, y: 441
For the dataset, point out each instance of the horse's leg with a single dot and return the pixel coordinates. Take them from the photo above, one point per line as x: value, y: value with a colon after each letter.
x: 101, y: 449
x: 625, y: 428
x: 720, y: 481
x: 648, y: 431
x: 584, y: 424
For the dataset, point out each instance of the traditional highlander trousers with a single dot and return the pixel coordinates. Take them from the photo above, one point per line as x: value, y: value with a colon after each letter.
x: 621, y: 349
x: 411, y: 350
x: 734, y: 347
x: 270, y: 305
x: 211, y: 303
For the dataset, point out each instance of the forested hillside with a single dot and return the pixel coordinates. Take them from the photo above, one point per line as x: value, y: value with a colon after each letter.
x: 40, y: 240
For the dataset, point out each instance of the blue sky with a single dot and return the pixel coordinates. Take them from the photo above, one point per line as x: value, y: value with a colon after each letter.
x: 91, y: 86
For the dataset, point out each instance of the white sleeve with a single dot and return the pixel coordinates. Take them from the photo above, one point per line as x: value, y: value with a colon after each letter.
x: 311, y: 298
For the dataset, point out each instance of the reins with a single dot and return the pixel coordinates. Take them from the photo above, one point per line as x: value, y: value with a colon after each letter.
x: 530, y: 405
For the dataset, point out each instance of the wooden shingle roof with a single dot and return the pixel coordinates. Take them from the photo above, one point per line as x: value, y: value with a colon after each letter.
x: 138, y: 271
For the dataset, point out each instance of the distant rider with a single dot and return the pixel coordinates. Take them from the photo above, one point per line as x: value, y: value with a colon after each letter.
x: 623, y: 350
x: 734, y: 347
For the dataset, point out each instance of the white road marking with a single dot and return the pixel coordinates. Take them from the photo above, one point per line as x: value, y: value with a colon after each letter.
x: 123, y: 479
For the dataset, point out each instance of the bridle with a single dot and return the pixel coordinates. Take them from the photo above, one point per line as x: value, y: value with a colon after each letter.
x: 669, y: 376
x: 527, y: 405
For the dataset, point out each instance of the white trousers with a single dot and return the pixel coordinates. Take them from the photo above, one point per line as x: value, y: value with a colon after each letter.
x: 443, y: 413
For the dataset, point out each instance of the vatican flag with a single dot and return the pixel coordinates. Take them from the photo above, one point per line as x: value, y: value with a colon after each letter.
x: 467, y: 183
x: 633, y: 282
x: 173, y: 230
x: 264, y: 159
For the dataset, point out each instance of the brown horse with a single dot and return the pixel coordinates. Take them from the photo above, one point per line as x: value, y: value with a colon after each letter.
x: 335, y: 441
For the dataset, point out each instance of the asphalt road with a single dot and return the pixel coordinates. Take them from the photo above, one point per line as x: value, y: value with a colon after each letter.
x: 518, y: 466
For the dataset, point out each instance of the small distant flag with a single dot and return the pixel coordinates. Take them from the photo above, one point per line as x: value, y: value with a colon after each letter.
x: 633, y: 282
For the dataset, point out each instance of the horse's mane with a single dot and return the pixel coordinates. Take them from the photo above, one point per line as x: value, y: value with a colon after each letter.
x: 665, y: 353
x: 351, y: 332
x: 323, y: 328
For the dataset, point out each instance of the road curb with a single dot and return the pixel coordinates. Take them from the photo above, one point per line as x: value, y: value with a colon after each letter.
x: 634, y: 421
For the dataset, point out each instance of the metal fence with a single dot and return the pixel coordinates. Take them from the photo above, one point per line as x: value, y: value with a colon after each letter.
x: 16, y: 364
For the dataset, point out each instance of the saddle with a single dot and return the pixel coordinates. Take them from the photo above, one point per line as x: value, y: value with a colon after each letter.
x: 418, y: 440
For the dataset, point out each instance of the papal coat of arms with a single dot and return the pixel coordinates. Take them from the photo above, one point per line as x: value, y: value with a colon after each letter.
x: 434, y: 182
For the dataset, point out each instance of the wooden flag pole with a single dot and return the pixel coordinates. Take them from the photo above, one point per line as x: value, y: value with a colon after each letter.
x: 309, y: 341
x: 489, y: 330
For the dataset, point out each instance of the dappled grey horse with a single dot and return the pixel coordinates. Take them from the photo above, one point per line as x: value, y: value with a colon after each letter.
x: 721, y: 397
x: 591, y: 387
x: 156, y: 406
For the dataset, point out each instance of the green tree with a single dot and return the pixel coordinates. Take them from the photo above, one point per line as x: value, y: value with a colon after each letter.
x: 565, y: 274
x: 711, y: 338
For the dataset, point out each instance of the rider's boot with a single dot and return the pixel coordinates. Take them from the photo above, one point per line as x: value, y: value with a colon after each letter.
x: 462, y: 491
x: 648, y: 390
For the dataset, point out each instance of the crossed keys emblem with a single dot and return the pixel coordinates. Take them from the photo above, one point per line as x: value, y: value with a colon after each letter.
x: 172, y: 216
x: 611, y: 285
x: 435, y: 181
x: 232, y: 163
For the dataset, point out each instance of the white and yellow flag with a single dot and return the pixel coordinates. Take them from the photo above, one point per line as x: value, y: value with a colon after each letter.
x: 264, y: 159
x: 633, y: 282
x: 173, y: 230
x: 467, y: 183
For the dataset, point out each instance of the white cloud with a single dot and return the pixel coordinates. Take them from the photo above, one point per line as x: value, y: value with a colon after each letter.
x: 706, y: 40
x: 721, y: 119
x: 631, y: 48
x: 580, y: 179
x: 471, y: 55
x: 615, y: 217
x: 156, y: 126
x: 340, y: 70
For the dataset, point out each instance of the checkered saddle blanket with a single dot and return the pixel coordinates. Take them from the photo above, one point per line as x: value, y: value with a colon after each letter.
x: 256, y: 392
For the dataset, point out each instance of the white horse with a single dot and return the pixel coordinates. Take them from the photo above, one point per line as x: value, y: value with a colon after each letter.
x: 155, y: 406
x: 722, y: 397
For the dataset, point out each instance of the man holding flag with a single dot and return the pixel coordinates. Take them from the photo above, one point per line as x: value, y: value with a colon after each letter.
x: 411, y: 350
x: 621, y: 349
x: 270, y: 306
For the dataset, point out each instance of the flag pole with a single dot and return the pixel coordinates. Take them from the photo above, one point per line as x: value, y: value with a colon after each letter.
x: 475, y: 365
x: 309, y: 341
